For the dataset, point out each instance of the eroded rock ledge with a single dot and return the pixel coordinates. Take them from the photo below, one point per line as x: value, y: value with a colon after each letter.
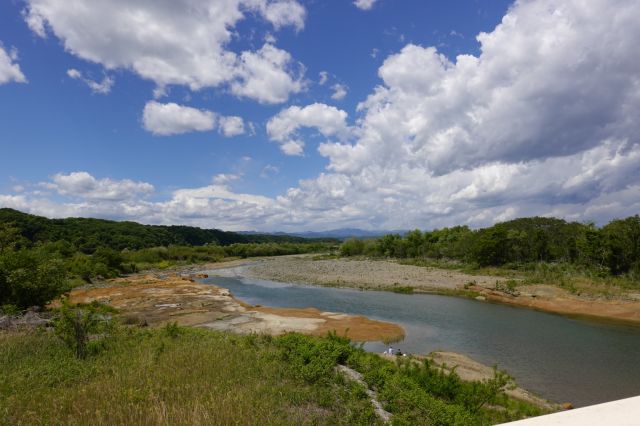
x: 155, y: 299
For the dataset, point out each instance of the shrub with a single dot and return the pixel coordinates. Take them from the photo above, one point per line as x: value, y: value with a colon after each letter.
x: 75, y: 325
x: 407, y: 289
x: 10, y: 310
x: 352, y: 247
x: 508, y: 287
x: 313, y: 359
x: 30, y: 278
x: 474, y: 395
x: 172, y: 329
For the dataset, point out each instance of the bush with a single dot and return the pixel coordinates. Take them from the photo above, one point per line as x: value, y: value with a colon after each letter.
x: 411, y: 405
x: 508, y: 287
x: 172, y: 329
x: 419, y: 392
x: 313, y: 359
x: 30, y: 278
x: 10, y: 310
x: 407, y: 289
x: 352, y: 247
x: 75, y: 325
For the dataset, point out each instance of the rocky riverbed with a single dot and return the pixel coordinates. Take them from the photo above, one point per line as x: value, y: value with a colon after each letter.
x: 156, y: 299
x: 390, y: 275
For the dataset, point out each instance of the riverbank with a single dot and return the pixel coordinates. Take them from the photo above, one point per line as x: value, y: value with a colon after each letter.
x: 392, y: 276
x: 161, y: 298
x: 156, y: 299
x: 471, y: 370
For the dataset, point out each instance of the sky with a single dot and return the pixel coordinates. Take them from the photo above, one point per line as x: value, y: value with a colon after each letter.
x: 295, y: 115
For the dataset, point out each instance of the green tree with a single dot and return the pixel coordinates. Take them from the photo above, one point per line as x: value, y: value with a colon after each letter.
x: 622, y: 242
x: 10, y: 238
x: 31, y: 278
x: 352, y: 247
x: 75, y: 325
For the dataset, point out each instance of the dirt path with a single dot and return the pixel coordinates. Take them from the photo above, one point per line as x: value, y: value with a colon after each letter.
x: 155, y: 299
x: 353, y: 375
x: 389, y: 275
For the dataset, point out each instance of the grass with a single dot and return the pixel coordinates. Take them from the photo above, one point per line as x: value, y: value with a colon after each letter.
x: 402, y: 289
x: 180, y: 376
x: 150, y: 377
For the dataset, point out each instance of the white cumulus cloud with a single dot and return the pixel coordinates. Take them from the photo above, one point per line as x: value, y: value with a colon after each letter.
x: 283, y: 13
x: 324, y: 76
x: 547, y: 83
x: 173, y: 119
x: 231, y: 126
x: 328, y: 120
x: 82, y: 184
x: 339, y: 92
x: 9, y: 69
x: 267, y: 75
x: 166, y: 119
x: 181, y: 42
x: 103, y: 87
x: 364, y: 4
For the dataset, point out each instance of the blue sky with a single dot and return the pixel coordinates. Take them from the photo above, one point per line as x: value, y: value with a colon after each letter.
x: 296, y: 115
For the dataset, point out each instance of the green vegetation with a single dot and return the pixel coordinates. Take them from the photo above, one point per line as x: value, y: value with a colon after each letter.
x: 36, y: 274
x: 87, y: 235
x: 402, y: 289
x: 41, y: 258
x: 176, y: 375
x: 75, y: 325
x: 164, y: 257
x: 543, y: 250
x: 30, y: 277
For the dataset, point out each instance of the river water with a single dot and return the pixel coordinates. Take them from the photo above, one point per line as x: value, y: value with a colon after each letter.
x: 558, y: 358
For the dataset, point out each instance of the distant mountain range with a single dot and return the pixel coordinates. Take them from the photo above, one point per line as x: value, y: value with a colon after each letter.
x: 342, y: 233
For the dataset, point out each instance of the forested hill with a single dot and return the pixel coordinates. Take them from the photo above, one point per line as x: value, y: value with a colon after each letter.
x: 89, y: 234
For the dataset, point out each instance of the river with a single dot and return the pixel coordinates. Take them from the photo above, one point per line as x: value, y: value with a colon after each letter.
x: 559, y: 358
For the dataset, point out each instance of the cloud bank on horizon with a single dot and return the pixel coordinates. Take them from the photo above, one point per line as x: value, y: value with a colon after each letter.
x: 541, y: 121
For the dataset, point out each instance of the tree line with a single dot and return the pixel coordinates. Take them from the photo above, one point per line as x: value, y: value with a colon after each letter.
x: 87, y: 234
x: 614, y: 248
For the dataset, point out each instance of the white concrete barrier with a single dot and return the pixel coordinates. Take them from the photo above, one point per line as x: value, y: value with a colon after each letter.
x: 624, y: 412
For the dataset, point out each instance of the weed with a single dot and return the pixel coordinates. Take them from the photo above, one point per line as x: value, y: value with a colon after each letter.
x: 172, y: 329
x: 407, y: 289
x: 10, y: 310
